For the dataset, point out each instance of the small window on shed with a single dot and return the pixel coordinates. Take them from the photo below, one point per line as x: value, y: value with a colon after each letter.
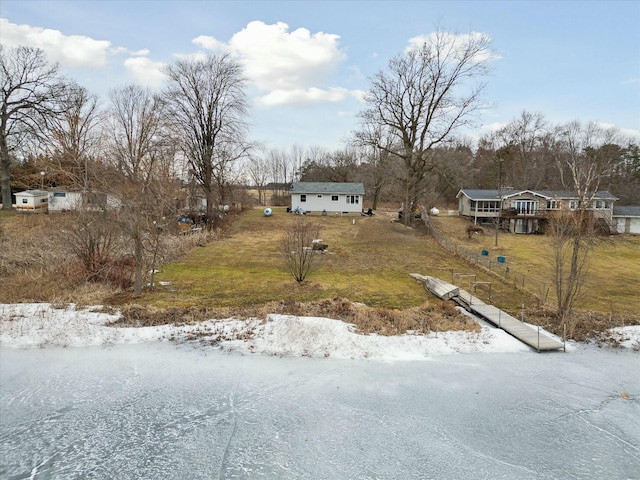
x: 303, y: 198
x: 24, y: 200
x: 43, y: 200
x: 334, y: 198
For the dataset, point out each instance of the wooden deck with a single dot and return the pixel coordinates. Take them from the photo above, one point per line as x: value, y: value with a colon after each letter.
x: 526, y: 333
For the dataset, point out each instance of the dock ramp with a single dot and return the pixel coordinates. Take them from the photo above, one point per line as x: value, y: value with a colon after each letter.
x: 528, y: 334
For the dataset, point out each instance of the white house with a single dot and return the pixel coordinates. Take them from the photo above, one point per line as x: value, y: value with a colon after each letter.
x: 32, y: 201
x: 323, y: 198
x: 627, y: 219
x: 527, y: 211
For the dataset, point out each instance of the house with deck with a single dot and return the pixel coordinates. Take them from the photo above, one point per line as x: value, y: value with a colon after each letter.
x: 527, y: 211
x: 327, y: 198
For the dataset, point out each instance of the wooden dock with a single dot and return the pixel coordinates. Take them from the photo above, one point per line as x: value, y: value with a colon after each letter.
x: 526, y: 333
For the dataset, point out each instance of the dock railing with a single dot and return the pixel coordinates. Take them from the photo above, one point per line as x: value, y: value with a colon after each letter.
x: 499, y: 269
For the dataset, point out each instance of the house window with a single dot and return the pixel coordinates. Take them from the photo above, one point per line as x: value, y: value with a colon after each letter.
x: 553, y: 204
x: 303, y: 198
x: 59, y: 194
x: 487, y: 206
x: 353, y: 199
x: 43, y: 200
x: 24, y: 200
x: 525, y: 207
x: 334, y: 198
x: 574, y: 204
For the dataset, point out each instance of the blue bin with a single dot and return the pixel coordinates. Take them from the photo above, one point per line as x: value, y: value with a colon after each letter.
x: 485, y: 253
x: 501, y: 259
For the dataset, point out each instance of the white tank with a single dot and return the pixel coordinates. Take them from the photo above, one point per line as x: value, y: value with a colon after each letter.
x: 434, y: 211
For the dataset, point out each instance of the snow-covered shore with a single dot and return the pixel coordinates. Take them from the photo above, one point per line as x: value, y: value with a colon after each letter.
x: 42, y: 325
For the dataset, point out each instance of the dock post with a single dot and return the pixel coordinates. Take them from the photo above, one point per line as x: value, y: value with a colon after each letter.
x: 538, y: 338
x: 564, y: 338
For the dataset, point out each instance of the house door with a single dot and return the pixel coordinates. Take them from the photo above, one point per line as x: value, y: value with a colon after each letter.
x: 526, y: 207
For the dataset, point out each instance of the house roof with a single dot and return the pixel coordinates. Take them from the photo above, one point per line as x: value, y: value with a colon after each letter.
x: 328, y: 188
x: 603, y: 195
x: 33, y: 193
x: 536, y: 193
x: 549, y: 194
x: 626, y: 211
x: 480, y: 194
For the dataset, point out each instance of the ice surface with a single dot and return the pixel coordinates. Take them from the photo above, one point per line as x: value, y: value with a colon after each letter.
x: 161, y: 411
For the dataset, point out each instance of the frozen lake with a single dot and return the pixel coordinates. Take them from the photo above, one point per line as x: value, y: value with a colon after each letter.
x: 157, y: 411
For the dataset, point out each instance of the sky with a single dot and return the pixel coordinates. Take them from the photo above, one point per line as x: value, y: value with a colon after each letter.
x: 309, y: 63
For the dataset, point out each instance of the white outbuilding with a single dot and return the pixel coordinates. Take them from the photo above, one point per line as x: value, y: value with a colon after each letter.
x: 32, y: 201
x: 626, y: 219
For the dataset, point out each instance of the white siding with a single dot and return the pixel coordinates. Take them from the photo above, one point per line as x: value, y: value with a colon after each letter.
x: 61, y: 201
x: 318, y: 202
x: 628, y: 225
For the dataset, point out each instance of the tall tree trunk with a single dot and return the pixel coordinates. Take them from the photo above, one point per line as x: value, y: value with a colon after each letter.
x: 6, y: 177
x: 139, y: 260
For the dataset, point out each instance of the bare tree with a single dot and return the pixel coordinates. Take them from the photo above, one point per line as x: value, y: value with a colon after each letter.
x: 225, y: 172
x: 419, y: 100
x: 282, y: 170
x: 298, y: 249
x: 259, y: 175
x: 207, y: 107
x: 297, y: 155
x: 136, y: 151
x: 582, y: 163
x: 30, y: 87
x: 376, y: 144
x: 73, y: 138
x: 529, y: 142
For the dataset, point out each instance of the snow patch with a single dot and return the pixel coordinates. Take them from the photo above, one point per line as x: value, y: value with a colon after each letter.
x: 626, y: 337
x: 41, y: 325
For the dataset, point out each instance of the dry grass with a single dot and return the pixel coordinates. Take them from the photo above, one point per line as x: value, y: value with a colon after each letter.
x: 611, y: 286
x: 363, y: 277
x: 426, y: 318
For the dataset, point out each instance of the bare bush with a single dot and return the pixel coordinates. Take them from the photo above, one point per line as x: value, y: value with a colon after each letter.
x: 297, y: 249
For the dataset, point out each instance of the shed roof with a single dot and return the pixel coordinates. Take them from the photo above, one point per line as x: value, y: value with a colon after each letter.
x: 626, y: 211
x: 33, y: 193
x: 328, y: 188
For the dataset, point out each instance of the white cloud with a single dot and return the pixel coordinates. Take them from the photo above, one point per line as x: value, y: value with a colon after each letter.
x: 68, y: 50
x: 293, y: 67
x: 493, y: 127
x: 146, y: 72
x: 457, y: 41
x: 210, y: 43
x: 631, y: 81
x: 304, y: 96
x: 630, y: 133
